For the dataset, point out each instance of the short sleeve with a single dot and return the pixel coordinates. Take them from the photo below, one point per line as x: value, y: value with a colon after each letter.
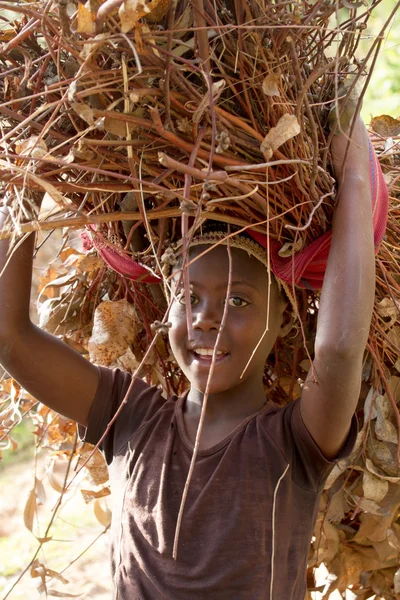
x: 309, y: 467
x: 141, y: 402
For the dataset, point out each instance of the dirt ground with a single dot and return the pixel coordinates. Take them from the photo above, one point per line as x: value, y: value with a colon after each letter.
x: 74, y: 531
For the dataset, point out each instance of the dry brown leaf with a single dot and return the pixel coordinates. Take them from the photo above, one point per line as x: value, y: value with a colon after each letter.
x: 355, y: 561
x: 33, y: 146
x: 127, y: 362
x: 337, y: 507
x: 369, y: 405
x: 83, y: 110
x: 49, y: 275
x: 374, y: 488
x: 389, y: 312
x: 385, y: 430
x: 393, y: 536
x: 30, y: 510
x: 372, y: 469
x: 40, y: 492
x: 89, y: 263
x: 118, y: 127
x: 130, y: 12
x: 87, y: 18
x: 385, y: 551
x: 57, y: 283
x: 286, y: 128
x: 386, y: 126
x: 370, y: 506
x: 53, y: 479
x: 114, y: 330
x: 102, y: 512
x: 96, y: 465
x: 291, y: 248
x: 396, y: 582
x: 185, y: 21
x: 89, y: 495
x: 270, y: 84
x: 383, y: 455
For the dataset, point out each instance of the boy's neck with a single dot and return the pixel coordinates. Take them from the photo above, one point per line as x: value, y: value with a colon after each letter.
x: 237, y: 403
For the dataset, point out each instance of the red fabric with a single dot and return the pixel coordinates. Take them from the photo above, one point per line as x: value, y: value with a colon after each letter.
x: 307, y: 267
x: 118, y: 260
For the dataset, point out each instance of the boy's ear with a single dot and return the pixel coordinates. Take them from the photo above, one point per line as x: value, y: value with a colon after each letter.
x: 288, y: 320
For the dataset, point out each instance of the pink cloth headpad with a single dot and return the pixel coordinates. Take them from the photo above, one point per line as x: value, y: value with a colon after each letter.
x: 307, y: 267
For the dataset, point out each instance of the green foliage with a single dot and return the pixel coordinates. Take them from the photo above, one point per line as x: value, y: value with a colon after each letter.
x: 23, y: 435
x: 383, y: 93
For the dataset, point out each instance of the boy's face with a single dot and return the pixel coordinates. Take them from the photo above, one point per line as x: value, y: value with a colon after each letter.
x: 245, y: 323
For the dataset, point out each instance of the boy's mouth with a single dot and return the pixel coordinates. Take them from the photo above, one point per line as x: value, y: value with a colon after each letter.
x: 205, y: 355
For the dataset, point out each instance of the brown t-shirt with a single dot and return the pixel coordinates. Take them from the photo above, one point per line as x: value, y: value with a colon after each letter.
x: 250, y: 510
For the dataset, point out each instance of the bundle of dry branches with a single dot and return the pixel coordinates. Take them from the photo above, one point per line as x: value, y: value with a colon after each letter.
x: 143, y: 119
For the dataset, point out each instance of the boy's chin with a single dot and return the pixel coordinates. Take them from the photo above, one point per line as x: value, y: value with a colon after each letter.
x: 213, y: 389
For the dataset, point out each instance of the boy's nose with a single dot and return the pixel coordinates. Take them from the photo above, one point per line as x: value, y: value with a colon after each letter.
x: 207, y: 317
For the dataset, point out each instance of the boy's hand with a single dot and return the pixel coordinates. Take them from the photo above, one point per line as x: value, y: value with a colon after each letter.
x: 356, y: 161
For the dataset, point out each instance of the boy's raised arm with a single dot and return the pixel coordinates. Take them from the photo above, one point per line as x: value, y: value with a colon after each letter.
x: 46, y: 367
x: 347, y: 298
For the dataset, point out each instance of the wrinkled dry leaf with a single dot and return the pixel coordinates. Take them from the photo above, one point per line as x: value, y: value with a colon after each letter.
x: 53, y: 477
x: 386, y: 126
x: 96, y: 465
x: 393, y: 536
x: 87, y: 18
x: 89, y: 495
x: 33, y: 146
x: 114, y: 330
x: 40, y: 492
x: 291, y: 248
x: 286, y: 128
x: 385, y: 551
x: 118, y: 127
x: 83, y: 111
x: 389, y: 312
x: 270, y: 84
x: 379, y: 474
x: 30, y: 510
x: 396, y: 582
x: 58, y: 283
x: 130, y: 12
x: 102, y: 512
x: 49, y: 275
x: 385, y: 430
x: 374, y: 488
x: 126, y: 362
x: 369, y: 506
x: 89, y: 263
x: 185, y: 21
x: 383, y: 455
x: 369, y: 405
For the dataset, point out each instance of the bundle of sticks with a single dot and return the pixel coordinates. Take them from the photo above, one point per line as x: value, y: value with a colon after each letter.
x: 143, y: 120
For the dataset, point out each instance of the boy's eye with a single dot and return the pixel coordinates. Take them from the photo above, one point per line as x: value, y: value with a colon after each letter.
x: 237, y: 302
x: 182, y: 299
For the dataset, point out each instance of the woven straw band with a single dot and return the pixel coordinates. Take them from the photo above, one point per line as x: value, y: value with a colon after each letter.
x: 250, y: 246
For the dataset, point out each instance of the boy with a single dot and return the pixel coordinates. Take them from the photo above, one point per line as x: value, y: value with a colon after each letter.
x: 254, y: 494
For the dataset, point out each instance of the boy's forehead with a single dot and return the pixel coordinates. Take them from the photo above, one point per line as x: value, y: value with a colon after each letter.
x: 206, y: 261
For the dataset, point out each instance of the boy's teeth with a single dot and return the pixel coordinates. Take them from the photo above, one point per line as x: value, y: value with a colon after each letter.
x: 206, y: 352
